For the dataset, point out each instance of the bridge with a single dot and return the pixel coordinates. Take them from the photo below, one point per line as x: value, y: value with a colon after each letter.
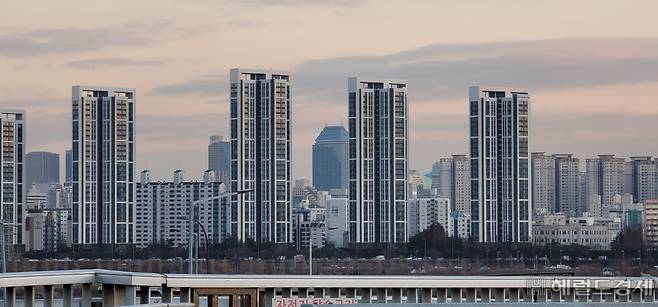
x: 118, y: 288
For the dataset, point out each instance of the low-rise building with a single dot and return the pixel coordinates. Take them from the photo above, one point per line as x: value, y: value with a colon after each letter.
x: 593, y: 232
x: 650, y: 224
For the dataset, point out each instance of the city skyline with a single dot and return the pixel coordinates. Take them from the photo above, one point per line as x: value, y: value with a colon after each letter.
x: 595, y: 61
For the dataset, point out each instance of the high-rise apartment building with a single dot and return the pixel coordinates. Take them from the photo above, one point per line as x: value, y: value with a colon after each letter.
x: 452, y: 179
x: 425, y: 212
x: 605, y: 177
x: 378, y: 161
x: 500, y: 166
x: 567, y: 185
x: 650, y: 224
x: 330, y: 159
x: 103, y: 210
x: 41, y: 167
x: 543, y: 184
x: 12, y: 170
x: 219, y: 157
x: 261, y: 155
x: 644, y: 178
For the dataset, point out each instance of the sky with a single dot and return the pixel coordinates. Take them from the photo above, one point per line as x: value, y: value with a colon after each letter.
x: 591, y: 68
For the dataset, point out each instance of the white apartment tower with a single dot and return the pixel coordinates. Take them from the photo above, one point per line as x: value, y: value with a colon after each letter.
x: 567, y: 185
x: 260, y: 156
x: 103, y: 210
x: 500, y: 177
x: 378, y: 161
x: 543, y: 184
x: 12, y: 194
x: 605, y: 177
x: 452, y: 180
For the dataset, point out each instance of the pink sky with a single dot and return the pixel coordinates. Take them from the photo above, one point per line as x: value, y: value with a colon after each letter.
x: 591, y: 66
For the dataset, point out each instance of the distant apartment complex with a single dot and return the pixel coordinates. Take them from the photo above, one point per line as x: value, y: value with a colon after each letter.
x: 543, y: 183
x: 378, y: 161
x: 260, y: 156
x: 103, y: 210
x: 425, y: 212
x: 500, y: 165
x: 12, y: 170
x: 163, y: 209
x: 451, y: 177
x: 330, y: 169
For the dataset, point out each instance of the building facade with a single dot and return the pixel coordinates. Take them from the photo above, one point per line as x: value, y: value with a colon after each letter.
x: 260, y: 156
x: 605, y: 177
x: 103, y: 210
x: 500, y: 166
x: 12, y: 170
x: 378, y: 161
x: 330, y: 159
x: 543, y: 184
x: 425, y: 212
x: 163, y: 209
x: 68, y: 163
x: 219, y: 157
x: 451, y: 177
x: 567, y: 185
x: 650, y: 224
x: 41, y: 167
x: 595, y: 233
x: 644, y: 172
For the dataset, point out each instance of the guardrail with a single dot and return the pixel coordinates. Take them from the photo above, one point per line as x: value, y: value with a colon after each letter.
x: 118, y: 288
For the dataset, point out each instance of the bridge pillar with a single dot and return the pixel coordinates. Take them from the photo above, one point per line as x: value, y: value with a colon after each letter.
x: 366, y: 296
x: 514, y: 295
x: 10, y: 297
x: 268, y: 296
x: 381, y: 295
x: 318, y: 292
x: 499, y: 295
x: 456, y: 295
x: 350, y: 292
x: 185, y: 295
x: 286, y: 292
x: 67, y: 296
x: 470, y: 295
x: 609, y: 297
x: 637, y: 296
x: 412, y: 295
x: 129, y: 295
x: 29, y: 296
x: 485, y: 295
x: 108, y: 295
x: 167, y: 294
x: 144, y: 295
x: 597, y: 296
x: 85, y: 300
x: 441, y: 296
x: 397, y: 295
x: 302, y: 292
x: 555, y: 295
x: 48, y: 296
x: 570, y: 296
x: 334, y: 292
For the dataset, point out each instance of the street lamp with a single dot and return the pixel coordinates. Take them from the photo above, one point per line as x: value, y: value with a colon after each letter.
x: 190, y: 239
x: 310, y: 246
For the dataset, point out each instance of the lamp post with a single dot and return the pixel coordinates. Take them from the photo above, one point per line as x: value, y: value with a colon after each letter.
x: 310, y: 246
x: 190, y: 239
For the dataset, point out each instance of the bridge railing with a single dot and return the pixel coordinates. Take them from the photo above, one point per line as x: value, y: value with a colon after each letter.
x: 118, y: 288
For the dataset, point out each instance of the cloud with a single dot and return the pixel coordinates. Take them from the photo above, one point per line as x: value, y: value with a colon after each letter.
x: 209, y: 85
x: 73, y: 40
x: 92, y: 63
x: 446, y: 70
